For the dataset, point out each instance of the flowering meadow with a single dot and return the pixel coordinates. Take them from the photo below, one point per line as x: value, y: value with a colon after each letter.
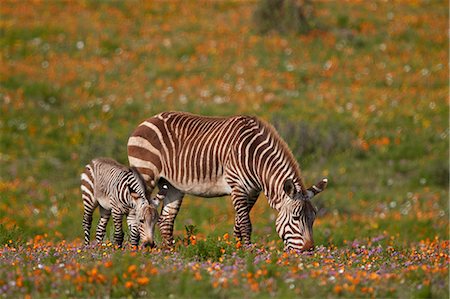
x: 361, y: 98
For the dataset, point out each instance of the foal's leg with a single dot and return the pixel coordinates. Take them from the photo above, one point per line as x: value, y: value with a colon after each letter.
x: 102, y: 223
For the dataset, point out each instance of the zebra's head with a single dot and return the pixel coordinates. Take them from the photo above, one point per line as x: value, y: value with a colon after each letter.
x: 146, y: 209
x: 296, y: 217
x: 147, y: 217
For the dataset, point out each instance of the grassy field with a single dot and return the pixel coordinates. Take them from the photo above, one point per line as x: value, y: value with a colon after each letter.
x: 361, y: 99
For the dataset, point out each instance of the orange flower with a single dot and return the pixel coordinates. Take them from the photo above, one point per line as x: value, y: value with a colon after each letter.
x: 108, y: 264
x: 129, y: 284
x: 93, y: 272
x: 19, y: 281
x: 364, y: 145
x: 154, y: 271
x: 238, y: 244
x: 197, y: 276
x: 373, y: 276
x: 226, y: 237
x: 337, y: 289
x: 142, y: 280
x: 132, y: 268
x: 254, y: 286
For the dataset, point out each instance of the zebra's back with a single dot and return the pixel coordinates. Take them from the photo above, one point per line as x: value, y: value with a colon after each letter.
x: 188, y: 150
x: 103, y: 179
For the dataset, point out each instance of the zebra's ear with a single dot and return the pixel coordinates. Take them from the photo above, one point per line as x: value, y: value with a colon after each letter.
x: 134, y: 195
x: 317, y: 188
x: 289, y: 188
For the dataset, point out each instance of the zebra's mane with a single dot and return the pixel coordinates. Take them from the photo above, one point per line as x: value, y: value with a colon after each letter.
x: 282, y: 145
x: 112, y: 162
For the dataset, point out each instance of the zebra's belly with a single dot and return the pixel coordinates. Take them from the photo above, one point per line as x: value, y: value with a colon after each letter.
x: 214, y: 188
x: 104, y: 202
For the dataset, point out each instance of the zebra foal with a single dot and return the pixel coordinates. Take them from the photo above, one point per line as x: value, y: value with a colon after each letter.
x: 117, y: 190
x: 215, y: 156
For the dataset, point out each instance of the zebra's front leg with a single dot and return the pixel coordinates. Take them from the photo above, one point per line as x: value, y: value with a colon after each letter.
x: 133, y: 228
x: 171, y: 207
x: 242, y: 223
x: 118, y: 231
x: 102, y: 223
x: 237, y: 228
x: 251, y: 200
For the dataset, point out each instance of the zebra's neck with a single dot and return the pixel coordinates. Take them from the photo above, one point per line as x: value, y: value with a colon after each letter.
x: 273, y: 182
x: 274, y: 166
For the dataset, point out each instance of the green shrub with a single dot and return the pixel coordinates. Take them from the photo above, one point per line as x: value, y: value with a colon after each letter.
x: 283, y: 16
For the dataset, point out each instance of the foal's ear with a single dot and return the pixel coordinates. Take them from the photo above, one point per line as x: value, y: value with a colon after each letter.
x: 289, y: 188
x: 134, y: 195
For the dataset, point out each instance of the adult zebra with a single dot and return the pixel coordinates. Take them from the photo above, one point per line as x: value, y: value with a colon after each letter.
x: 216, y: 156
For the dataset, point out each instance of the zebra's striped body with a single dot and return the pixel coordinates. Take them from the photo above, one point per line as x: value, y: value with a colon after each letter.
x: 117, y: 190
x: 214, y: 156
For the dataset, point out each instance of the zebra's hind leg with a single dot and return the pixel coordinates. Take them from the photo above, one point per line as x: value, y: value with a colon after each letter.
x: 89, y: 207
x: 242, y: 224
x: 118, y: 231
x: 171, y: 206
x: 102, y: 223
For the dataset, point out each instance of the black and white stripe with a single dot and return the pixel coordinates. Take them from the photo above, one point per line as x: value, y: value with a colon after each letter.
x: 117, y: 190
x: 214, y: 156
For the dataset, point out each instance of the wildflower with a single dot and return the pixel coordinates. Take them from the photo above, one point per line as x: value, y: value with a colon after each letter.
x: 154, y: 271
x: 129, y: 284
x: 238, y: 244
x: 19, y: 282
x: 142, y: 280
x: 254, y: 286
x: 197, y: 276
x: 374, y: 276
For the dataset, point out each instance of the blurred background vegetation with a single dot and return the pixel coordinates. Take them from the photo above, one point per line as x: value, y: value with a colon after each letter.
x: 358, y: 89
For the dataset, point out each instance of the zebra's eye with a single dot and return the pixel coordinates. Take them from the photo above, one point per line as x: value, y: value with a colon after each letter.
x: 296, y: 218
x: 141, y: 220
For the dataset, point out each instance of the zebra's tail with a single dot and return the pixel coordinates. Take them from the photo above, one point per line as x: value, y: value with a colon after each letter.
x: 316, y: 189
